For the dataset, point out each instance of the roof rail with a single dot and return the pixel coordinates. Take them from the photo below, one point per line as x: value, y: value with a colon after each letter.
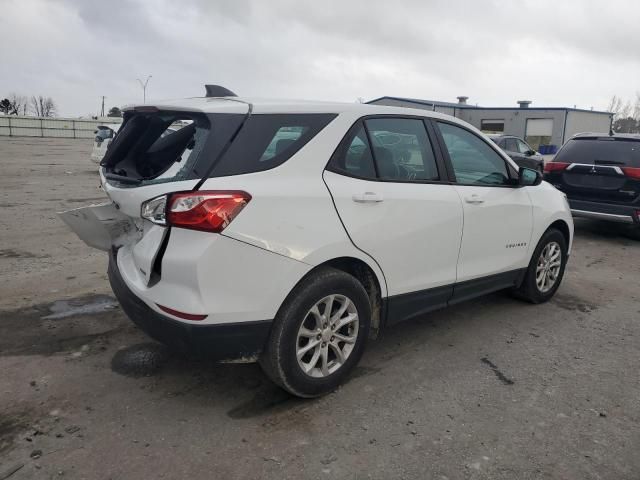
x: 218, y: 91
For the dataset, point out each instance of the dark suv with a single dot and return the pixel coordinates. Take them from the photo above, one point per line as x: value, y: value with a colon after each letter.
x: 519, y: 151
x: 600, y: 175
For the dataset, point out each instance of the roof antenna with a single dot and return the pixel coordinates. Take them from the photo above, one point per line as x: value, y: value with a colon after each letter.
x: 218, y: 91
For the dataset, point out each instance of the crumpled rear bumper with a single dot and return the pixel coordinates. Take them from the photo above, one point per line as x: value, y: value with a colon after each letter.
x: 241, y: 341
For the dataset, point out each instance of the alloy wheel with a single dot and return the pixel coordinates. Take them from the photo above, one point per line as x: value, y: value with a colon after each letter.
x: 548, y: 267
x: 327, y: 336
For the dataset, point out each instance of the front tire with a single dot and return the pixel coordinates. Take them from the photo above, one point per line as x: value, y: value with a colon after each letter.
x: 546, y: 269
x: 319, y: 334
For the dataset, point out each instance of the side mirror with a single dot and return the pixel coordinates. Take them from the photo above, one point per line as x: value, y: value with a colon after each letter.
x: 527, y: 177
x: 528, y: 153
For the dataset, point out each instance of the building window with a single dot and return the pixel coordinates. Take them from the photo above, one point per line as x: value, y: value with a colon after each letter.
x: 492, y: 126
x: 539, y: 132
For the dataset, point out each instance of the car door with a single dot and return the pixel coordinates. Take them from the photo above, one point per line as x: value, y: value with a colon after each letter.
x: 498, y: 216
x: 396, y: 204
x: 529, y: 157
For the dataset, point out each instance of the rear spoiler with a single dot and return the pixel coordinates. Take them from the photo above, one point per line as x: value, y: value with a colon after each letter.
x: 218, y: 91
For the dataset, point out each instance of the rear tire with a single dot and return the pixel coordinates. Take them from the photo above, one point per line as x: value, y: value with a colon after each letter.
x: 304, y: 354
x: 546, y: 269
x: 633, y: 232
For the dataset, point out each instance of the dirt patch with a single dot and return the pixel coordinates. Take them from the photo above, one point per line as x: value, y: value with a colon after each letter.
x: 10, y: 253
x: 268, y: 400
x: 87, y: 200
x: 10, y: 425
x: 572, y: 303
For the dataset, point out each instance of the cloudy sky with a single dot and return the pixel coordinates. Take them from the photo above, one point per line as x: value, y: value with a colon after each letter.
x: 556, y: 53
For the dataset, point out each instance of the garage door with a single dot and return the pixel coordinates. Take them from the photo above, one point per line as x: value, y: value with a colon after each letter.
x: 539, y: 131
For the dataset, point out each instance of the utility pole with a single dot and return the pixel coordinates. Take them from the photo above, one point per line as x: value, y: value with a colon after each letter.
x: 102, y: 111
x: 144, y: 88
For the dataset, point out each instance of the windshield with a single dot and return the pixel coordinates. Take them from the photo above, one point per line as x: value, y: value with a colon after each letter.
x: 601, y: 151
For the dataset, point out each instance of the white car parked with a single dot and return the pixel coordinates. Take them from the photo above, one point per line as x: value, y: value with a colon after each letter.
x: 289, y: 232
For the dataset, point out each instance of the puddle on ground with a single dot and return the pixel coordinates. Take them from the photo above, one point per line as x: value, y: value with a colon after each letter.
x: 62, y: 326
x: 83, y: 306
x: 142, y: 360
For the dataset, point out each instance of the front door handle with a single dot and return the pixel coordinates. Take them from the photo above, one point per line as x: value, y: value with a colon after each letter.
x: 474, y: 200
x: 367, y: 197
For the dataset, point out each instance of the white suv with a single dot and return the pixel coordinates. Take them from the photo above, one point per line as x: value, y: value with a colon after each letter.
x: 290, y: 232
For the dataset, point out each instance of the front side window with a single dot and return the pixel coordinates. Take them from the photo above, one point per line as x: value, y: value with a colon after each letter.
x: 511, y: 145
x: 523, y: 147
x: 402, y: 150
x: 474, y: 161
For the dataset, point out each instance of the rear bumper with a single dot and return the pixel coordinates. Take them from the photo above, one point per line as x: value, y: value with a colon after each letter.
x: 604, y: 211
x: 242, y: 341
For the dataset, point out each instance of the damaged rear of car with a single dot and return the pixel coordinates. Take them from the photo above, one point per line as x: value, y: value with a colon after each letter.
x: 175, y: 274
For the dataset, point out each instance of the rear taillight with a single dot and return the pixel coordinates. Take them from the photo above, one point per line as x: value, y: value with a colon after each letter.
x: 209, y: 211
x: 632, y: 172
x: 555, y: 166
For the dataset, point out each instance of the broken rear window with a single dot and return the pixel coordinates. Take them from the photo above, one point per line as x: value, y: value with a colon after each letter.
x: 155, y: 146
x: 160, y: 146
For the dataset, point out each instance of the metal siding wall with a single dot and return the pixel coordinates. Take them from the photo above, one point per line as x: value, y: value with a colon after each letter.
x: 515, y: 120
x: 579, y: 122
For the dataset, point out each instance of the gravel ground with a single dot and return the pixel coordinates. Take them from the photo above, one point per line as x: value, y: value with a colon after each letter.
x: 492, y: 388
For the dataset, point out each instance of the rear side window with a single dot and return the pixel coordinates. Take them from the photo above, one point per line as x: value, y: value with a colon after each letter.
x: 601, y: 151
x: 393, y: 149
x: 269, y: 140
x: 401, y: 149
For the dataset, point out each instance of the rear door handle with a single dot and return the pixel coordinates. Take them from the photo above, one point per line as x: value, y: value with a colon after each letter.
x: 367, y: 197
x: 474, y: 200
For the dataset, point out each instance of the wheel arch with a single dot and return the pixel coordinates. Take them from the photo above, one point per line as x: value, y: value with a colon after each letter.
x: 562, y: 226
x: 367, y: 276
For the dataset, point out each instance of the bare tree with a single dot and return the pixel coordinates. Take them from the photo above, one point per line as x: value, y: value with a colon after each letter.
x: 42, y: 106
x: 19, y: 104
x: 626, y: 117
x: 619, y: 107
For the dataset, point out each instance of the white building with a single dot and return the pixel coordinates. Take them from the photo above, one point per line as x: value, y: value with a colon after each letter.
x: 544, y: 128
